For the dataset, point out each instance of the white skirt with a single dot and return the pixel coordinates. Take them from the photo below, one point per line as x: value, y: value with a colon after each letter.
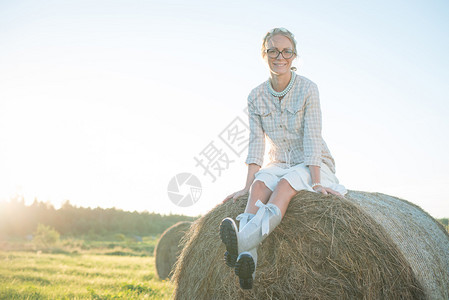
x: 298, y: 176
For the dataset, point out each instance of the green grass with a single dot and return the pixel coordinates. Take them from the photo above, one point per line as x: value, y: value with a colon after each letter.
x: 124, y: 246
x: 36, y: 275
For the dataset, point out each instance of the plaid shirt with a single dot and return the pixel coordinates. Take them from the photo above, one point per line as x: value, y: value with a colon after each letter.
x: 292, y: 126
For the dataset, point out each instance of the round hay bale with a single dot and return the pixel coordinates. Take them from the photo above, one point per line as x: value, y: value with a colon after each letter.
x: 366, y: 246
x: 169, y: 247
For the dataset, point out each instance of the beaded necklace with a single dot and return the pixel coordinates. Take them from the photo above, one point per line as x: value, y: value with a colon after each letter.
x: 286, y: 90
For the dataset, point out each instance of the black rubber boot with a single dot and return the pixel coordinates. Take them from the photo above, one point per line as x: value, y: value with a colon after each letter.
x: 228, y: 235
x: 244, y: 269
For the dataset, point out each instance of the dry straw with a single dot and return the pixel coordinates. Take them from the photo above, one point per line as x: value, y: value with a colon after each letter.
x: 367, y: 246
x: 168, y: 248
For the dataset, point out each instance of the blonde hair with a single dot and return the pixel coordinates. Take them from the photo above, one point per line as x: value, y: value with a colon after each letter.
x: 281, y: 31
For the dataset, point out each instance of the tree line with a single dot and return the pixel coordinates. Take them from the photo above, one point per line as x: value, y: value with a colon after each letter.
x: 20, y: 220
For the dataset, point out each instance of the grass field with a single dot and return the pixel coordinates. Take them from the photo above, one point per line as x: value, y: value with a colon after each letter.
x: 37, y: 275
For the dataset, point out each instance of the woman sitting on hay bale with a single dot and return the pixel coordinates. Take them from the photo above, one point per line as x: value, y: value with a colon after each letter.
x: 285, y: 108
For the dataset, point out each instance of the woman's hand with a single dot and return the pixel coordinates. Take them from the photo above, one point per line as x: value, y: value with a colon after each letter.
x: 235, y: 195
x: 326, y: 191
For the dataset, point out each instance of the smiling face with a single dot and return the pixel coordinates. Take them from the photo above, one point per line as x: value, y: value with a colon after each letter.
x: 279, y: 66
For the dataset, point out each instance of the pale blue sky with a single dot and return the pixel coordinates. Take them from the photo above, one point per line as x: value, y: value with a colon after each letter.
x: 103, y: 102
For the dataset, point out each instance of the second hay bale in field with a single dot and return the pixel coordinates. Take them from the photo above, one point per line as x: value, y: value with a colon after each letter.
x: 361, y: 247
x: 169, y: 247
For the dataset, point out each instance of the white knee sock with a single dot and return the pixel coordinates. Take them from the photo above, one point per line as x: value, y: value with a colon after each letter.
x: 243, y: 219
x: 263, y: 223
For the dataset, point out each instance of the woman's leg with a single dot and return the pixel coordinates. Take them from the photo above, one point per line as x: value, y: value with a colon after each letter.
x: 258, y: 191
x: 228, y: 229
x: 282, y: 195
x: 275, y: 208
x: 249, y: 238
x: 261, y: 226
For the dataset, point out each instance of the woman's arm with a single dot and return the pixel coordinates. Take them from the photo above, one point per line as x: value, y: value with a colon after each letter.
x: 316, y: 178
x: 315, y: 173
x: 313, y: 140
x: 252, y: 169
x: 256, y: 149
x: 256, y: 145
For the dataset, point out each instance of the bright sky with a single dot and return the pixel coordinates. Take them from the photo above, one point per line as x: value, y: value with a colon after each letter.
x: 104, y: 102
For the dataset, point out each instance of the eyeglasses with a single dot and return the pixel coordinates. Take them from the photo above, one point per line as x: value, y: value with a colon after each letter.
x: 274, y: 53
